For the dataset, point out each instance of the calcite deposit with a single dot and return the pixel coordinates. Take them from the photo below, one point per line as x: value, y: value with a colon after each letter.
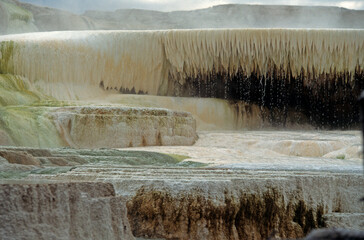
x: 69, y: 101
x: 312, y: 76
x: 62, y: 211
x: 95, y: 127
x: 101, y: 194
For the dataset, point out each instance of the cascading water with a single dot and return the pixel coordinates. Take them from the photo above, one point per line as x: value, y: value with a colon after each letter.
x: 67, y: 89
x: 294, y: 75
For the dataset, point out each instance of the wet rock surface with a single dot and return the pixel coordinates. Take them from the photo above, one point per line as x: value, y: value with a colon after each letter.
x: 94, y: 127
x: 245, y: 206
x: 178, y: 204
x: 285, y: 72
x: 228, y: 186
x: 211, y: 190
x: 62, y: 211
x: 208, y: 203
x: 24, y: 161
x: 163, y: 196
x: 19, y: 157
x: 344, y: 220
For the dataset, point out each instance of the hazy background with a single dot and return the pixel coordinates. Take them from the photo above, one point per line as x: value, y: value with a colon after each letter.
x: 16, y: 16
x: 80, y: 6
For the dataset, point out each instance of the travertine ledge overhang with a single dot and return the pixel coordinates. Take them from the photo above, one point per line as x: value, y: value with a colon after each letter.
x: 312, y: 71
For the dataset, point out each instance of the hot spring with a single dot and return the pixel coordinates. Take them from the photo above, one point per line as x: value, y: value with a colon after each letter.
x: 201, y: 134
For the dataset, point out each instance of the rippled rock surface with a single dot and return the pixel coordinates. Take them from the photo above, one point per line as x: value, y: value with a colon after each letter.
x: 308, y: 76
x: 180, y: 197
x: 95, y: 127
x: 62, y: 211
x: 89, y: 90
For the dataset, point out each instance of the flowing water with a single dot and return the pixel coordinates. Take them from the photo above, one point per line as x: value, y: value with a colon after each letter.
x: 228, y: 79
x: 275, y: 150
x: 242, y: 132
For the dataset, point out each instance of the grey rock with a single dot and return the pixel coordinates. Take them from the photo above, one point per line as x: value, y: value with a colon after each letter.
x: 62, y: 211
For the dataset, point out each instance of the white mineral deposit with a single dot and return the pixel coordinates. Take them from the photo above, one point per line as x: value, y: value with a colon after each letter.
x: 180, y: 125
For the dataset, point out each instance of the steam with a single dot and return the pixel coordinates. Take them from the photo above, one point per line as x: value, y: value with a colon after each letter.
x: 79, y: 6
x: 17, y: 17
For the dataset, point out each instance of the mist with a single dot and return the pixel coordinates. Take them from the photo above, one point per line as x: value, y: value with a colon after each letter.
x: 221, y: 121
x: 78, y: 6
x: 128, y: 15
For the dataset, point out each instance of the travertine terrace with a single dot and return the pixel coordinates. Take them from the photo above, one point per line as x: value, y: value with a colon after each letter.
x: 180, y: 134
x: 308, y: 76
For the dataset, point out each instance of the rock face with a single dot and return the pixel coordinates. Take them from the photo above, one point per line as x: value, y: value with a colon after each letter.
x: 17, y: 157
x: 62, y: 211
x: 240, y: 209
x: 344, y: 220
x: 284, y: 71
x: 174, y: 203
x: 17, y: 163
x: 156, y: 213
x: 116, y: 127
x: 22, y: 124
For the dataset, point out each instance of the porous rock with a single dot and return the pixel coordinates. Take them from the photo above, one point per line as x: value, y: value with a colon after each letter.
x: 19, y: 157
x: 62, y: 211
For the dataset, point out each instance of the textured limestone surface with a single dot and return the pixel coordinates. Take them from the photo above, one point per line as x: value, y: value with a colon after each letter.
x: 240, y: 185
x: 94, y: 127
x: 280, y: 150
x: 308, y: 76
x: 32, y: 119
x: 116, y: 127
x: 19, y: 158
x: 169, y: 199
x: 286, y: 183
x: 242, y: 208
x: 344, y: 220
x: 17, y: 163
x: 62, y: 211
x: 207, y: 203
x: 214, y: 63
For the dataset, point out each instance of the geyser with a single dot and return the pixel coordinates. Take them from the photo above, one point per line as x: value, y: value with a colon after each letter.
x: 303, y: 75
